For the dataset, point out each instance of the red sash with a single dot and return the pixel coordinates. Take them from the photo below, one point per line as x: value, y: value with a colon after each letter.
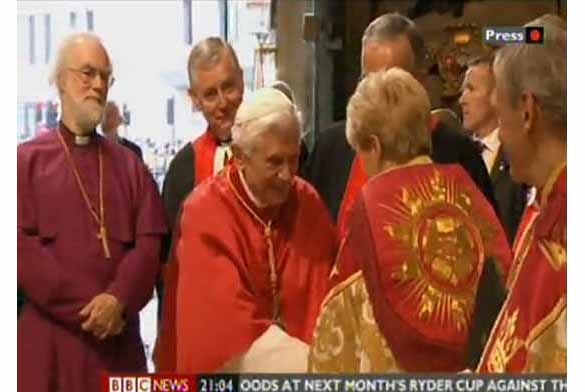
x: 522, y: 237
x: 204, y: 150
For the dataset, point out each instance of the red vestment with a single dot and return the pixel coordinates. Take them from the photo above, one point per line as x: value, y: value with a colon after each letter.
x: 537, y: 299
x: 421, y: 235
x: 204, y: 150
x: 522, y: 237
x: 224, y: 298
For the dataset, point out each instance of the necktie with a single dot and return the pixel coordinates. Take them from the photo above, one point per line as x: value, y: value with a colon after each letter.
x: 226, y: 158
x: 480, y: 146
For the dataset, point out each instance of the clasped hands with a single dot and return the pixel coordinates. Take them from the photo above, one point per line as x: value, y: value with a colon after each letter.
x: 103, y: 316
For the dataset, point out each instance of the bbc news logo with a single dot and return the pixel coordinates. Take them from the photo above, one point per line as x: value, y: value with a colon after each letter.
x: 149, y: 383
x: 513, y: 35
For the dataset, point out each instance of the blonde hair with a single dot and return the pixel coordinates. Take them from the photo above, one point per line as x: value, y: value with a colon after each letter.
x: 395, y: 107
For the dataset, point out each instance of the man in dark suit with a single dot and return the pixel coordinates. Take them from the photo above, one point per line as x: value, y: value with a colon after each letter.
x: 480, y: 118
x: 111, y: 121
x: 392, y: 40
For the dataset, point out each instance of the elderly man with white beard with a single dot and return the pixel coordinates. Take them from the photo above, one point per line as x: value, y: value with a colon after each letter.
x: 90, y: 226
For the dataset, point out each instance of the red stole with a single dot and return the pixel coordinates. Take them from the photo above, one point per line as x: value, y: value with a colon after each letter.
x: 357, y: 179
x: 538, y: 292
x: 224, y: 298
x: 522, y: 238
x: 420, y: 234
x: 204, y: 150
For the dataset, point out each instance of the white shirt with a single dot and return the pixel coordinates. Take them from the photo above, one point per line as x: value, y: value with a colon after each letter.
x: 273, y: 352
x: 223, y: 153
x: 492, y: 146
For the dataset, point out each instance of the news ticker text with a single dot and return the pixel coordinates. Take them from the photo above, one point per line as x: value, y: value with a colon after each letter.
x: 334, y: 383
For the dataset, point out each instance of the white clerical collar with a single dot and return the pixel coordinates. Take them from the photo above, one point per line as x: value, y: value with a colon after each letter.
x: 82, y: 140
x: 492, y: 141
x: 223, y: 154
x: 254, y: 199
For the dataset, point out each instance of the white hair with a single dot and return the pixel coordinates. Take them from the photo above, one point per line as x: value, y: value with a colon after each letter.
x: 539, y: 69
x: 63, y: 52
x: 258, y: 115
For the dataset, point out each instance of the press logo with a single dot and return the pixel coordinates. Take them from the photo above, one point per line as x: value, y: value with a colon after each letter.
x: 513, y: 35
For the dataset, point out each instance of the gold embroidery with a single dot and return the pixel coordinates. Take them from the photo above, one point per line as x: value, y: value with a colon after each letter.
x: 549, y: 319
x: 550, y: 183
x: 547, y: 343
x: 443, y: 250
x: 347, y: 338
x: 555, y: 253
x: 505, y: 346
x: 521, y: 253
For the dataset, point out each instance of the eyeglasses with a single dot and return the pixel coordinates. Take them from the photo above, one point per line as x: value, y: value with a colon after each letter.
x: 87, y: 75
x: 213, y: 96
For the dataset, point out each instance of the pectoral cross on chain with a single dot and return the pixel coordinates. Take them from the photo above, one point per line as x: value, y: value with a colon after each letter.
x: 103, y: 236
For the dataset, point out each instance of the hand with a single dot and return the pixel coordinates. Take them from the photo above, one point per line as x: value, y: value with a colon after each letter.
x: 104, y: 316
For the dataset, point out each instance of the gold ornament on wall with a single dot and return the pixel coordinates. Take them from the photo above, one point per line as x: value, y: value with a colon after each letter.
x: 463, y: 43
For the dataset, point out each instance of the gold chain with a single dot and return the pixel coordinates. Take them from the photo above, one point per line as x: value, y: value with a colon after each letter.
x: 102, y: 234
x: 271, y: 256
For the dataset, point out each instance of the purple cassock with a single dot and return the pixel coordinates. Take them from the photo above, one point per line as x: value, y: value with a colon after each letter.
x: 62, y: 264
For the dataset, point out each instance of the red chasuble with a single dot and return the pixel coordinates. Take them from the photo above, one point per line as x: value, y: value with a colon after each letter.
x: 204, y: 148
x: 530, y: 333
x: 224, y: 295
x: 62, y: 266
x: 421, y: 234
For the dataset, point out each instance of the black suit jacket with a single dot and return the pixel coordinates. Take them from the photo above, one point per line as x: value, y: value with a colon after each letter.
x: 329, y: 165
x: 178, y: 184
x: 510, y: 196
x: 132, y: 146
